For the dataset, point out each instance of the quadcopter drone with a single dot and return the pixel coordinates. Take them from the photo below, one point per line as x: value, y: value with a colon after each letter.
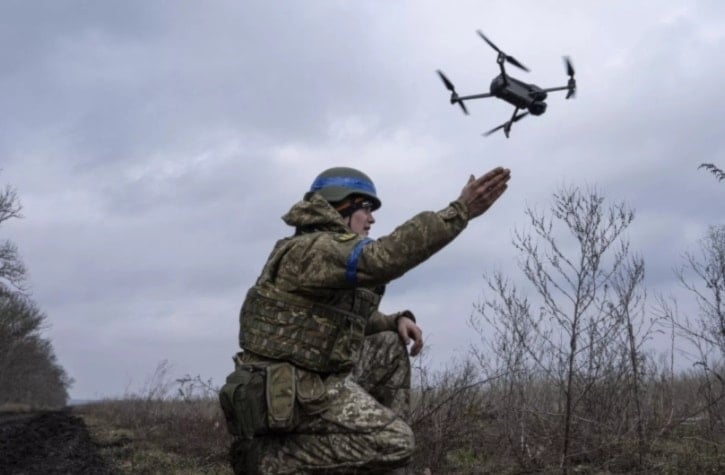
x: 519, y: 94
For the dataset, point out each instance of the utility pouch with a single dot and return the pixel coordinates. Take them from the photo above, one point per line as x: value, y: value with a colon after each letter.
x: 244, y: 403
x: 259, y: 398
x: 280, y: 392
x: 311, y: 392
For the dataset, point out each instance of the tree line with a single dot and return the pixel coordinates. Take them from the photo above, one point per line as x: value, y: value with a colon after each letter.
x: 29, y: 371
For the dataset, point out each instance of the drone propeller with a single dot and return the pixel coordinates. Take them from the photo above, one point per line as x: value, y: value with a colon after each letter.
x: 506, y: 126
x: 501, y: 54
x: 450, y: 87
x: 569, y: 67
x: 572, y: 83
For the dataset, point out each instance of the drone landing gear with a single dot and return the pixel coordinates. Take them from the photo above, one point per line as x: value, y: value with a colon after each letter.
x: 506, y: 126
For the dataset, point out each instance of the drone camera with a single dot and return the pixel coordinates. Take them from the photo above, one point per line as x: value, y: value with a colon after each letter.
x: 537, y: 108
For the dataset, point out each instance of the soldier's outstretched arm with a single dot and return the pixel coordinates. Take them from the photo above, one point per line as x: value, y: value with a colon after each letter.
x: 423, y: 235
x: 368, y: 262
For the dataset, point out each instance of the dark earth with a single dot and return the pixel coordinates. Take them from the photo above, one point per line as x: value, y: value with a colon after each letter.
x: 52, y: 442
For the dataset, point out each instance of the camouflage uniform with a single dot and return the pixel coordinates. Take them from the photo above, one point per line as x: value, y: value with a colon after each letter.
x: 357, y: 421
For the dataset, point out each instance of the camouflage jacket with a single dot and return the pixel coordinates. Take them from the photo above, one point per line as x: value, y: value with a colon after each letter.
x: 325, y: 256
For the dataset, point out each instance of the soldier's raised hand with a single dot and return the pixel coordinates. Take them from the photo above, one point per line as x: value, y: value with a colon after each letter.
x: 480, y: 193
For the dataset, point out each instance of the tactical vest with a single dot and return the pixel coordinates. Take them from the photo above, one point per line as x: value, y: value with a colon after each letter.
x: 323, y: 337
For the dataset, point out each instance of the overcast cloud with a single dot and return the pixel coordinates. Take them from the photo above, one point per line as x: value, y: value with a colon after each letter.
x: 155, y: 144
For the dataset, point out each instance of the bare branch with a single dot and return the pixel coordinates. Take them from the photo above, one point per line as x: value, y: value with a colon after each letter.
x: 719, y: 174
x: 589, y: 326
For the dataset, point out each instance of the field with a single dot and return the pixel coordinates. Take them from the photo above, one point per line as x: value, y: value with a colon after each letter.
x: 143, y: 436
x: 462, y: 426
x: 124, y: 436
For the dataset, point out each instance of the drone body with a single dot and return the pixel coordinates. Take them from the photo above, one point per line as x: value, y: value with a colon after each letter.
x: 518, y: 93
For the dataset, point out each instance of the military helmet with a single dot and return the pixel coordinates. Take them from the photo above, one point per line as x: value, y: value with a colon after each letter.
x: 336, y: 184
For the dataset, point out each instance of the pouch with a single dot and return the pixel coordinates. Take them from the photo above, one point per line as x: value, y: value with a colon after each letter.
x: 259, y: 398
x: 280, y: 392
x: 243, y: 401
x: 311, y: 392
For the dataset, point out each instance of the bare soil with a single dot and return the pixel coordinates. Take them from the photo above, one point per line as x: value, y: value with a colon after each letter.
x: 50, y: 442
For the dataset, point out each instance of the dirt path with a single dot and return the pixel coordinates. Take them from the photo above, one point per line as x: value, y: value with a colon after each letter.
x: 49, y: 443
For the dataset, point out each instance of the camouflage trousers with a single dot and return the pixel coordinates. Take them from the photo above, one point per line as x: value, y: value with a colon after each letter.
x: 362, y: 429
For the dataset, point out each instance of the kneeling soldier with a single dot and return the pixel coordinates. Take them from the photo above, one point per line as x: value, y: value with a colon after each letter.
x: 322, y: 384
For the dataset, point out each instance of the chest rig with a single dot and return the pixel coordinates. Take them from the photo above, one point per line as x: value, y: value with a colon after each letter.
x: 319, y: 334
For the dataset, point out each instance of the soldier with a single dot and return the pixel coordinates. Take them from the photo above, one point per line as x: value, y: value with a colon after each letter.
x: 322, y: 384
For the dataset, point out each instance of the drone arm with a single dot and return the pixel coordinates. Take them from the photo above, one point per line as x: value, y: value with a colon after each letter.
x: 552, y: 89
x: 571, y: 88
x: 473, y: 96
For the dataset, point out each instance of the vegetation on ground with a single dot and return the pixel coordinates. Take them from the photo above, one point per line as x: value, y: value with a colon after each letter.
x: 463, y: 424
x: 173, y: 426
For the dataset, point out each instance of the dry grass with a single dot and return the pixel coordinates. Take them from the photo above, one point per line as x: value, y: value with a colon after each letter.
x: 172, y: 426
x: 16, y: 407
x: 463, y: 425
x: 160, y: 436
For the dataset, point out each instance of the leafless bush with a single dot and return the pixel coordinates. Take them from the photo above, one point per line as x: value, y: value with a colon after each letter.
x: 450, y: 415
x: 571, y: 356
x: 702, y: 275
x: 193, y: 388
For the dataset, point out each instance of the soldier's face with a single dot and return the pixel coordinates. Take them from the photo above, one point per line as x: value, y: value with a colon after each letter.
x: 361, y: 221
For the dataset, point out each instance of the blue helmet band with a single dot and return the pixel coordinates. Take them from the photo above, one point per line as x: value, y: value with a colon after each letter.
x: 343, y: 182
x: 339, y: 183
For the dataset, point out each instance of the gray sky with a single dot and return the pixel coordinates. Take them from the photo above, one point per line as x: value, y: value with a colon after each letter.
x: 155, y: 144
